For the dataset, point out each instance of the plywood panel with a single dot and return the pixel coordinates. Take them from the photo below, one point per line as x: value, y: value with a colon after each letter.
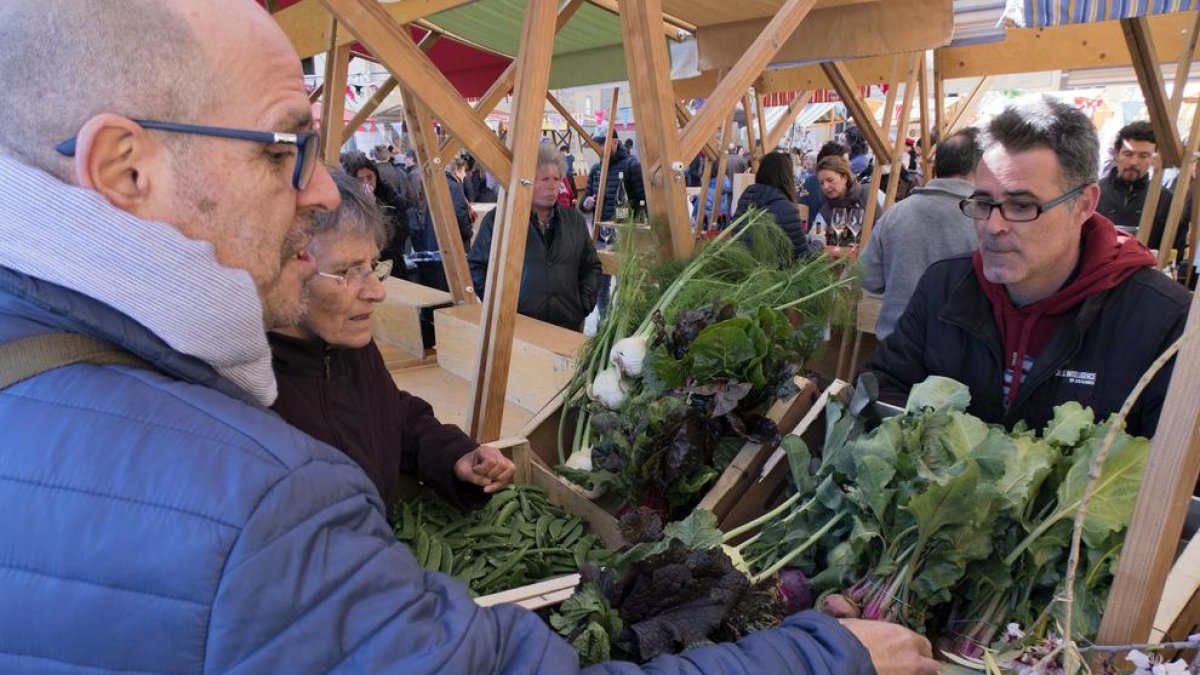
x: 855, y: 31
x: 449, y: 394
x: 543, y: 355
x: 397, y: 320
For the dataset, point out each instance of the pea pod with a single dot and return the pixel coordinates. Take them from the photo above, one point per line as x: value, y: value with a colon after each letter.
x: 422, y: 547
x: 506, y: 513
x: 503, y: 569
x: 434, y: 560
x: 447, y: 566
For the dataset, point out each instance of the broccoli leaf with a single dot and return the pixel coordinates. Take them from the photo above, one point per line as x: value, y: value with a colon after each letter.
x: 1116, y: 492
x: 938, y: 393
x: 1070, y: 422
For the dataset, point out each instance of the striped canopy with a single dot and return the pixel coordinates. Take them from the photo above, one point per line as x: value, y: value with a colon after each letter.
x: 1044, y: 13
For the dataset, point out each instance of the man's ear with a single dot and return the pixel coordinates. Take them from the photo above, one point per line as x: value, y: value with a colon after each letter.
x: 1088, y: 201
x: 115, y: 157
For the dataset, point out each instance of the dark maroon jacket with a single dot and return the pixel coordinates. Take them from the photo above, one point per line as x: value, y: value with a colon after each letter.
x: 347, y: 398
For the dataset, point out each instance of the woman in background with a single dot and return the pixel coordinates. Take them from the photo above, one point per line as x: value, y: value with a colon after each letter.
x: 774, y: 189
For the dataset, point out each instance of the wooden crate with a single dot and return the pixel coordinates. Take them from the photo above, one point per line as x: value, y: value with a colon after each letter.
x: 722, y: 497
x: 397, y: 322
x: 767, y: 489
x: 543, y: 355
x: 450, y: 396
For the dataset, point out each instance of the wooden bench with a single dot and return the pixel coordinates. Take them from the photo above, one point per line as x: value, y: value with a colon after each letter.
x: 397, y: 322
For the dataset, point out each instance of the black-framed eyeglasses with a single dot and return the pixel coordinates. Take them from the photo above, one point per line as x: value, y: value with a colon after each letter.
x: 308, y: 143
x: 359, y: 274
x: 978, y: 208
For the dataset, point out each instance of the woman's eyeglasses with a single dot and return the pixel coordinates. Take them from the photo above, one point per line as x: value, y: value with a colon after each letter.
x: 358, y: 275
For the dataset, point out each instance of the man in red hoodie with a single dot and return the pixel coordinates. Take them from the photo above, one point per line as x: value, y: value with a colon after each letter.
x: 1055, y: 305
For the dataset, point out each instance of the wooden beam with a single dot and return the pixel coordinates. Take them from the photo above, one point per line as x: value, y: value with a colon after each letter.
x: 705, y: 177
x: 391, y: 42
x: 847, y: 89
x: 889, y: 107
x: 1179, y: 199
x: 421, y: 138
x: 605, y: 157
x: 305, y: 21
x: 751, y: 145
x: 910, y: 86
x: 1184, y: 65
x: 333, y: 101
x: 785, y: 122
x: 723, y: 165
x: 499, y: 89
x: 653, y: 107
x: 939, y: 98
x: 511, y: 225
x: 762, y: 124
x: 748, y: 67
x: 673, y: 29
x: 684, y: 116
x: 368, y: 108
x: 1162, y: 503
x: 316, y: 93
x: 969, y: 103
x: 584, y: 137
x: 1071, y: 47
x: 926, y: 157
x: 1145, y: 63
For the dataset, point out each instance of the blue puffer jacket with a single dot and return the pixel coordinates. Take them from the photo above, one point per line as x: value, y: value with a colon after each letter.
x: 158, y: 522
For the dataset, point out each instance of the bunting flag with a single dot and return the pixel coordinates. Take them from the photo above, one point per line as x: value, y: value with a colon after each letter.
x: 1045, y: 13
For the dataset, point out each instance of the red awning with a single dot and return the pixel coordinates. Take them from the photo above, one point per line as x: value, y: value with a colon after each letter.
x: 470, y: 70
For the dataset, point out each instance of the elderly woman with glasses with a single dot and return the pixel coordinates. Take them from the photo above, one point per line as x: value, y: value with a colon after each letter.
x: 333, y: 383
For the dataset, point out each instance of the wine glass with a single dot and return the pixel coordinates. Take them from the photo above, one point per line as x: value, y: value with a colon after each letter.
x: 607, y: 231
x: 855, y: 224
x: 839, y: 221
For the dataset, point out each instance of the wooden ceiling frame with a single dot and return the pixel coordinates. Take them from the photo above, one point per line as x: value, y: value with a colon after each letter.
x: 333, y: 98
x: 856, y: 106
x: 511, y: 225
x: 423, y: 141
x: 303, y: 22
x: 673, y: 28
x: 1142, y: 53
x: 385, y: 89
x: 654, y: 108
x: 500, y: 88
x: 584, y: 136
x: 794, y: 108
x: 968, y: 104
x: 778, y: 31
x: 392, y: 44
x: 683, y: 116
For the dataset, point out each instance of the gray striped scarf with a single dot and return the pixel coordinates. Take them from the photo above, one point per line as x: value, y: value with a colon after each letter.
x: 147, y: 270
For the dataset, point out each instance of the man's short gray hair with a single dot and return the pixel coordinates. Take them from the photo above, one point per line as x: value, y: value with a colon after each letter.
x: 66, y: 61
x: 357, y: 214
x: 1050, y: 123
x: 548, y: 155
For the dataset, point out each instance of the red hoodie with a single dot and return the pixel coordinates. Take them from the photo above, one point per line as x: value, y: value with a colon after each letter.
x: 1107, y: 258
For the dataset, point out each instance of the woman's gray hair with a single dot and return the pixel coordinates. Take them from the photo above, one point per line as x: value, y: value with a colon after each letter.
x: 1057, y: 126
x: 356, y: 214
x: 548, y: 155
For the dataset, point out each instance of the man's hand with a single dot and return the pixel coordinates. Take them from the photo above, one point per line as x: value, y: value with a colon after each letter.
x: 894, y: 650
x: 589, y: 203
x: 485, y: 466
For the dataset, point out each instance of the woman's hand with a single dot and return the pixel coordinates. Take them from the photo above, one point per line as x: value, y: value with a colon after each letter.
x: 487, y: 467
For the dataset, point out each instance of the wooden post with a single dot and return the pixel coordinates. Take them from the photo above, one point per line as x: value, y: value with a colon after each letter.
x: 748, y: 67
x: 683, y: 115
x: 372, y: 25
x: 1179, y: 199
x: 368, y: 109
x: 969, y: 104
x: 333, y: 101
x: 752, y: 147
x: 605, y: 157
x: 1150, y: 207
x: 1145, y: 64
x: 889, y: 107
x: 761, y: 109
x: 844, y: 84
x: 789, y: 118
x: 419, y: 119
x: 511, y: 225
x: 574, y: 124
x: 926, y: 157
x: 316, y: 94
x: 705, y: 176
x: 1162, y: 503
x: 901, y: 133
x: 939, y: 96
x: 653, y: 104
x: 722, y: 166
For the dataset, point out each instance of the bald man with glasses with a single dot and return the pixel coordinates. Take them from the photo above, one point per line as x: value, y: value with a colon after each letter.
x: 1055, y: 305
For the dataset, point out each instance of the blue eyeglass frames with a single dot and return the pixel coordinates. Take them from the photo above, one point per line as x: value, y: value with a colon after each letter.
x: 307, y: 143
